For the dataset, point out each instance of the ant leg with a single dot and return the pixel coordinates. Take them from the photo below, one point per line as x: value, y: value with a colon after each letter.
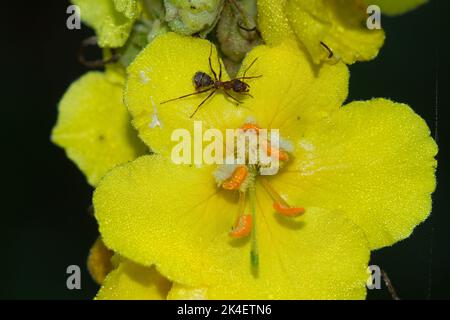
x: 210, y: 64
x: 251, y: 64
x: 247, y: 94
x: 229, y: 95
x: 187, y: 95
x: 92, y: 41
x: 204, y: 100
x: 220, y: 67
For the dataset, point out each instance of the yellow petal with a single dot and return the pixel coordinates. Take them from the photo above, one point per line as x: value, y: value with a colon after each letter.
x: 99, y: 261
x: 163, y: 71
x: 374, y: 161
x: 339, y: 24
x: 180, y: 223
x: 182, y: 292
x: 292, y: 92
x: 272, y: 21
x: 131, y: 281
x: 161, y: 209
x: 94, y: 127
x: 111, y: 19
x: 393, y: 8
x: 320, y: 255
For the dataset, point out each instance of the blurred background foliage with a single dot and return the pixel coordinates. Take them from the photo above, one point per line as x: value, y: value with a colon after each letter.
x: 46, y: 225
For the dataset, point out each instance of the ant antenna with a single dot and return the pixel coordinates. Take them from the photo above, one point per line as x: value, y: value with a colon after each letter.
x: 92, y: 41
x: 330, y: 52
x: 251, y: 64
x: 210, y: 64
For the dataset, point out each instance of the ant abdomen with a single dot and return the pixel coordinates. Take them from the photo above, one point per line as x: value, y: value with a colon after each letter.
x: 202, y: 80
x: 240, y: 86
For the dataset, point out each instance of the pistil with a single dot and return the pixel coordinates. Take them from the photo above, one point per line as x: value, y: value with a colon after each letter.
x: 254, y: 255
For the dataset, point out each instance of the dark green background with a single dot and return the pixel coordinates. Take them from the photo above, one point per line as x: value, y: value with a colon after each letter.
x: 45, y: 225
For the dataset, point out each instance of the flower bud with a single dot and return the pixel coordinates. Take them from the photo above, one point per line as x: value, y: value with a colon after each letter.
x: 193, y: 16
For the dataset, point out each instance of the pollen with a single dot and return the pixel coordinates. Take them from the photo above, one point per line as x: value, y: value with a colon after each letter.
x: 280, y: 154
x: 243, y: 227
x: 287, y: 211
x: 237, y: 178
x: 250, y: 126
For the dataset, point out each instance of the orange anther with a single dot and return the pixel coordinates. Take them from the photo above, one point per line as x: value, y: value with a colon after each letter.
x: 236, y: 179
x: 243, y: 227
x: 250, y: 126
x: 287, y: 211
x: 280, y: 154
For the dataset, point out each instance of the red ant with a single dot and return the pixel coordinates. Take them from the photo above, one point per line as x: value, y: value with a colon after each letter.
x: 204, y: 83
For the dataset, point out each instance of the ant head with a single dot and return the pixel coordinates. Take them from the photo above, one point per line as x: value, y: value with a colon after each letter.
x: 240, y: 86
x: 202, y: 80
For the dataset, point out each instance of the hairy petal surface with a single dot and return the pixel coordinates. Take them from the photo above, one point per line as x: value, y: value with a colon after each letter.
x: 94, y: 126
x: 180, y: 223
x: 374, y: 161
x: 292, y: 93
x: 112, y: 20
x: 164, y: 70
x: 131, y: 281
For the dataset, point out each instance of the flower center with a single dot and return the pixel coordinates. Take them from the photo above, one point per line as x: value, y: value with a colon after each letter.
x: 242, y: 177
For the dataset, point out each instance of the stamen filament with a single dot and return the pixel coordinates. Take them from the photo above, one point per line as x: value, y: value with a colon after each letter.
x: 271, y: 191
x: 241, y: 204
x: 280, y: 205
x: 243, y: 223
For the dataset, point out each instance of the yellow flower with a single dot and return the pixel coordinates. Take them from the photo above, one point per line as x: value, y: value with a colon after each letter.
x: 393, y: 8
x: 123, y: 279
x: 362, y: 171
x: 131, y: 281
x: 320, y: 25
x: 112, y: 20
x: 94, y: 127
x: 99, y: 261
